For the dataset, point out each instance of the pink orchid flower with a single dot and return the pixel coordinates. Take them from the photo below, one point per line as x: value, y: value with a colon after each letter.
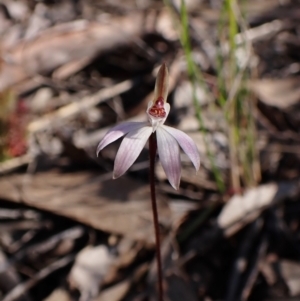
x: 138, y: 133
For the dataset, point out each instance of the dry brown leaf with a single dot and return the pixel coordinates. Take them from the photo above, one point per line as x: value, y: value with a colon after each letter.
x: 291, y: 275
x: 242, y: 209
x: 88, y: 272
x: 114, y: 293
x: 58, y: 295
x: 66, y: 43
x: 120, y: 206
x: 280, y: 93
x: 165, y: 25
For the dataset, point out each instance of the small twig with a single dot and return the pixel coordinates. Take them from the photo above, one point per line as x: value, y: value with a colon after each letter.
x: 15, y: 163
x: 75, y: 108
x: 44, y: 246
x: 21, y: 288
x: 255, y: 270
x: 18, y: 244
x: 19, y: 213
x: 23, y: 225
x: 242, y: 259
x: 250, y: 35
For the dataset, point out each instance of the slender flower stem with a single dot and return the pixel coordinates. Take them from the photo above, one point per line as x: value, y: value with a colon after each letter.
x: 164, y: 139
x: 152, y: 151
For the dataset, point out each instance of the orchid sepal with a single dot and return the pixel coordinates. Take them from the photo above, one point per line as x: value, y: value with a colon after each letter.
x: 162, y: 83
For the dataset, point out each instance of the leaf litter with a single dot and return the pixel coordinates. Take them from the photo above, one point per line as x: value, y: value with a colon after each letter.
x: 71, y: 69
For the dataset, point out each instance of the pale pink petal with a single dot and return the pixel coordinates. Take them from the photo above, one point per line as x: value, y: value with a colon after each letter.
x: 117, y: 132
x: 169, y: 155
x: 130, y: 149
x: 187, y: 144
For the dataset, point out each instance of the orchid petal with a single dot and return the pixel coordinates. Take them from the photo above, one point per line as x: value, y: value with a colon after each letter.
x: 117, y: 132
x: 187, y: 144
x: 130, y: 149
x: 169, y: 155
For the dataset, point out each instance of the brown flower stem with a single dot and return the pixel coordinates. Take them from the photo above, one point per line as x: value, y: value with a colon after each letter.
x: 152, y: 152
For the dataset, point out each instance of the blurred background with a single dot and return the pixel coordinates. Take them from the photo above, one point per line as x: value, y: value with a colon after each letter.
x: 72, y: 69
